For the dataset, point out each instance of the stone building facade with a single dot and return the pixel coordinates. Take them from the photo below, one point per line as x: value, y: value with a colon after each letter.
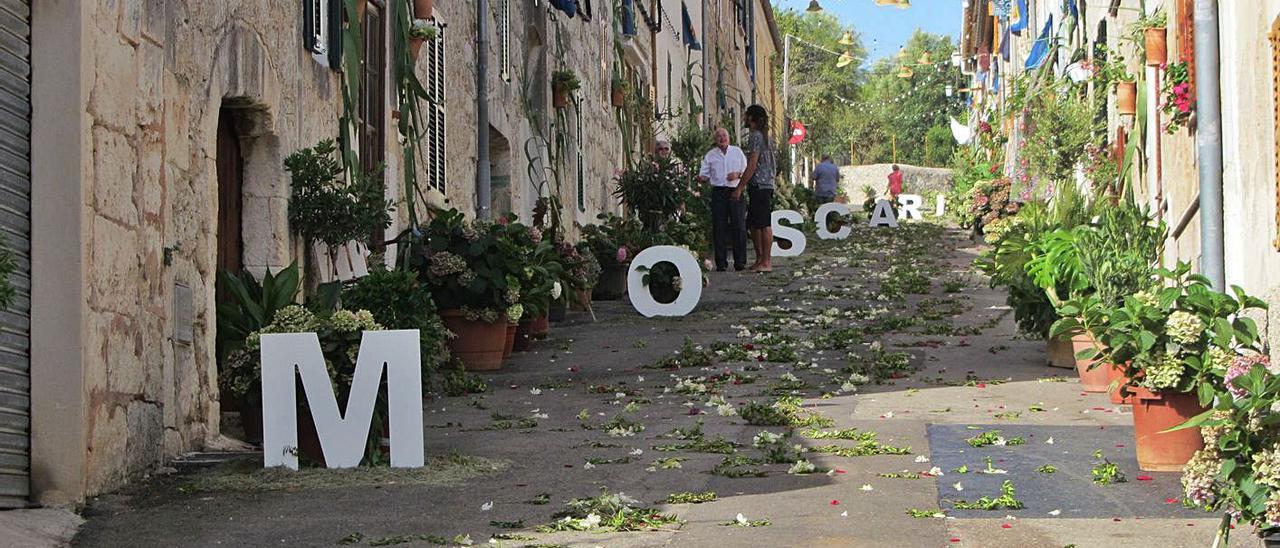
x: 157, y: 149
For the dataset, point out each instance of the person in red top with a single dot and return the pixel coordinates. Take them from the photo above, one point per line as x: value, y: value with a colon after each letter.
x: 895, y: 184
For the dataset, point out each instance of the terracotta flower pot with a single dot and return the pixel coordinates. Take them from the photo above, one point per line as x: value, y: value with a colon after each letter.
x: 1157, y: 46
x: 509, y: 346
x: 540, y: 327
x: 559, y: 97
x: 1059, y: 353
x: 1127, y: 97
x: 1092, y: 379
x: 361, y: 6
x: 616, y: 96
x: 583, y: 300
x: 524, y: 338
x: 1116, y: 380
x: 478, y: 344
x: 422, y: 8
x: 1154, y: 412
x: 558, y: 311
x: 613, y: 282
x: 415, y: 47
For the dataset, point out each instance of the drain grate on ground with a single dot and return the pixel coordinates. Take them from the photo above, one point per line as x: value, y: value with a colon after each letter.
x: 1070, y: 490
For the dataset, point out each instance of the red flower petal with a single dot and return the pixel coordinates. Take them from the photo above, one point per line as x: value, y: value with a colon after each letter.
x: 839, y: 471
x: 955, y: 540
x: 982, y: 385
x: 1170, y: 500
x: 1115, y: 519
x: 1145, y: 478
x: 1006, y: 526
x: 835, y: 503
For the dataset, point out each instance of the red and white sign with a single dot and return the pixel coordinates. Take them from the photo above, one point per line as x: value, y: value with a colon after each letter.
x: 798, y: 133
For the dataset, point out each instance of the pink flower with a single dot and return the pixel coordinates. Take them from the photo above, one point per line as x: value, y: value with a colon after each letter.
x: 1241, y: 366
x: 622, y: 254
x: 1184, y: 107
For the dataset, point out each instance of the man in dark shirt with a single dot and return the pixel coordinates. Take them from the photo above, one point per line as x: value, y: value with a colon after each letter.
x: 826, y: 178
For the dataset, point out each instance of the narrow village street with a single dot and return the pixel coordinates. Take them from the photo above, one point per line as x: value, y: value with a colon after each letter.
x: 884, y: 357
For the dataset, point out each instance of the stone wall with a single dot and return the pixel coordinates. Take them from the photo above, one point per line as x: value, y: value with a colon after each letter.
x: 925, y: 181
x: 161, y: 73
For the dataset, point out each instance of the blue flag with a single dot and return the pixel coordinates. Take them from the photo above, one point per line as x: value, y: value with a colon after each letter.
x: 1022, y: 17
x: 1040, y: 51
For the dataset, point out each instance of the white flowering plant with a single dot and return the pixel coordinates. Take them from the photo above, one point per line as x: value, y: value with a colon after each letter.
x: 1182, y: 337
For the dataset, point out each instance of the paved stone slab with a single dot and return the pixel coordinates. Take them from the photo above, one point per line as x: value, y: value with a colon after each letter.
x: 1070, y: 490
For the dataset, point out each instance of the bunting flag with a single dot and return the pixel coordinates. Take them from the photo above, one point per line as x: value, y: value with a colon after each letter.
x: 1040, y: 51
x: 1020, y: 16
x: 798, y: 133
x: 1004, y: 45
x: 690, y: 39
x: 904, y: 4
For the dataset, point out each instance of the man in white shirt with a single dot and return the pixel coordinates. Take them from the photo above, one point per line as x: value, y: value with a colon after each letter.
x: 722, y: 167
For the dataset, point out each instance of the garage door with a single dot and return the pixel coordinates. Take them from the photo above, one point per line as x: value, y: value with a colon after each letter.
x: 15, y: 224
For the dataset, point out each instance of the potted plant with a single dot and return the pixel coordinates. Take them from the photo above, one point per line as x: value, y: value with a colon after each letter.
x: 422, y: 9
x: 398, y: 299
x: 1150, y: 30
x: 617, y: 92
x: 1177, y: 100
x: 420, y: 32
x: 539, y: 277
x: 514, y: 312
x: 340, y: 333
x: 1235, y: 473
x: 610, y: 243
x: 324, y: 207
x: 472, y: 275
x: 563, y: 82
x: 1176, y: 344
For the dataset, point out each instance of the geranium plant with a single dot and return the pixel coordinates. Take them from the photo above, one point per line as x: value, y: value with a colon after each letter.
x: 1177, y: 101
x: 1179, y: 338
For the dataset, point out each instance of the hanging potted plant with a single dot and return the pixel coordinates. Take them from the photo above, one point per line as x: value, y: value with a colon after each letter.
x: 1176, y: 345
x: 617, y: 93
x: 420, y: 33
x: 563, y: 82
x: 1127, y: 97
x: 1177, y: 102
x: 1150, y: 30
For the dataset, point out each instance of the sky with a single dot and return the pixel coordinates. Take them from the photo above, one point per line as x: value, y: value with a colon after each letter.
x: 884, y: 29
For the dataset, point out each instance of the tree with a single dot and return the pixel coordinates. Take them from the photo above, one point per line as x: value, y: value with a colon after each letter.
x: 909, y: 108
x: 820, y: 91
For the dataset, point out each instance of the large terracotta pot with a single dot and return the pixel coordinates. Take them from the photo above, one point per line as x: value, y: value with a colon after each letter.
x: 1116, y: 380
x: 524, y: 338
x: 1154, y: 412
x: 1157, y: 46
x: 1092, y: 379
x: 613, y: 282
x: 422, y: 8
x: 1058, y: 352
x: 1127, y: 97
x: 582, y: 300
x: 540, y: 327
x: 509, y: 346
x: 478, y: 344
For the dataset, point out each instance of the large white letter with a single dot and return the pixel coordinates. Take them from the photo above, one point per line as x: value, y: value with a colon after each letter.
x: 824, y: 213
x: 883, y: 215
x: 342, y: 438
x: 797, y: 239
x: 690, y: 281
x: 910, y: 204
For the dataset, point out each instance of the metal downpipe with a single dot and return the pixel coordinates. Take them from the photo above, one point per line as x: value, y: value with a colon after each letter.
x: 1209, y: 142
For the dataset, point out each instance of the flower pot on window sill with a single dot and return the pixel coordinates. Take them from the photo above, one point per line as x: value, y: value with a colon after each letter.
x: 1155, y: 412
x: 1127, y: 98
x: 1156, y: 45
x: 415, y: 47
x: 422, y: 8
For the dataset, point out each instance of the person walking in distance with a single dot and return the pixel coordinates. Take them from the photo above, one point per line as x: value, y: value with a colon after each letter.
x: 758, y: 181
x: 826, y: 179
x: 895, y: 185
x: 722, y: 166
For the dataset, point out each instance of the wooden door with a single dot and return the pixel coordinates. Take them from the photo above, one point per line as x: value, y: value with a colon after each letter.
x: 230, y: 196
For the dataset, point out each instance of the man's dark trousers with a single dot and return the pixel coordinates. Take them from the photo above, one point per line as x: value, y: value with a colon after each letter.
x: 728, y: 227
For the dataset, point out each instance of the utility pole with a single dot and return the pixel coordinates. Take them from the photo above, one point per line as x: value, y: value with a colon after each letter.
x: 786, y: 98
x: 482, y: 110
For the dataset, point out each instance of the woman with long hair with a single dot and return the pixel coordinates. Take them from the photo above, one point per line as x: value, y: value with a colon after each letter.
x: 758, y: 182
